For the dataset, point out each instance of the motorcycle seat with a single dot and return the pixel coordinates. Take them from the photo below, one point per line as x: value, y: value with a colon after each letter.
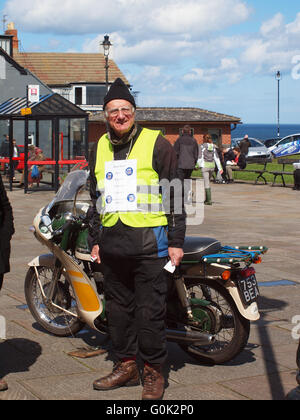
x: 195, y: 247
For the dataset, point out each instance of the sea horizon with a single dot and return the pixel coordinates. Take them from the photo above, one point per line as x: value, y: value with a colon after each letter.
x: 264, y: 131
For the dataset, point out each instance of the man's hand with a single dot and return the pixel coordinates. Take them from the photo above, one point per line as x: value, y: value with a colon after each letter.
x: 95, y: 254
x: 176, y: 255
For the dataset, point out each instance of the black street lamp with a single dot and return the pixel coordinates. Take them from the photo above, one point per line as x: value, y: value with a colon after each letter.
x: 106, y: 44
x: 278, y: 78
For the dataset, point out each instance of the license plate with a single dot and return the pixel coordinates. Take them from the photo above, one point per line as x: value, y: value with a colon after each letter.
x: 248, y: 289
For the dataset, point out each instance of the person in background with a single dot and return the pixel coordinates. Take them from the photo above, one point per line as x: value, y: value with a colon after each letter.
x: 16, y: 154
x: 4, y: 148
x: 38, y: 156
x: 244, y: 145
x: 186, y: 149
x: 6, y: 232
x: 134, y: 243
x: 221, y: 176
x: 207, y: 159
x: 239, y: 162
x: 31, y: 156
x: 4, y: 152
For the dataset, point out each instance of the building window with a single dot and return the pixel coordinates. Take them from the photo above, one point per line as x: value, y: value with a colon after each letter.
x: 216, y: 135
x: 95, y: 95
x: 78, y: 96
x: 6, y: 44
x: 2, y: 68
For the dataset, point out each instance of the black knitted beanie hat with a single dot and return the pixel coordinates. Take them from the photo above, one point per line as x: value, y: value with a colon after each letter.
x: 118, y: 90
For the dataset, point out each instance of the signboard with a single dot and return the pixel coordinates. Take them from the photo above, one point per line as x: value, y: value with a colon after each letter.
x: 26, y: 111
x: 33, y: 92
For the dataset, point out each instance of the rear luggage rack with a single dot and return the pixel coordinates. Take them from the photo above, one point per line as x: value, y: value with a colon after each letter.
x: 230, y: 255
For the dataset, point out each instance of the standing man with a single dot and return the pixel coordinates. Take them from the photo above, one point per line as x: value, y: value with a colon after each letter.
x: 134, y: 241
x: 244, y: 145
x: 186, y: 149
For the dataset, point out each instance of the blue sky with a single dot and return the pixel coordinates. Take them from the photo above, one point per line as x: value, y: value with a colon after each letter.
x: 219, y: 55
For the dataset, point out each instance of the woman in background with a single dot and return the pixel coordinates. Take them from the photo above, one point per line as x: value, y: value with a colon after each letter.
x: 207, y: 159
x: 6, y: 232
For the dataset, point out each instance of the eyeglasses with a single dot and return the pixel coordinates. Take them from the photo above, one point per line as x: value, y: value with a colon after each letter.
x: 126, y: 110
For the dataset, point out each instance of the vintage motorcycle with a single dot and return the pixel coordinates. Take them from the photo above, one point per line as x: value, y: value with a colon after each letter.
x: 212, y: 295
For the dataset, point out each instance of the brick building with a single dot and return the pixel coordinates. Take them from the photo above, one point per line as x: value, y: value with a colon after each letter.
x: 171, y: 120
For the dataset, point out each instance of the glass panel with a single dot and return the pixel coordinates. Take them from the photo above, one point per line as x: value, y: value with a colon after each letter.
x: 4, y: 130
x: 95, y: 95
x: 46, y: 138
x: 254, y: 143
x: 77, y: 138
x: 216, y: 135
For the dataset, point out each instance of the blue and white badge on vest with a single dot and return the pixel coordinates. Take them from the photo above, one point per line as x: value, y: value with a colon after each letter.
x: 120, y: 186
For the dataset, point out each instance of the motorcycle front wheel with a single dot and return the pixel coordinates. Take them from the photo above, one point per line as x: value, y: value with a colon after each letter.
x: 50, y: 317
x: 219, y: 317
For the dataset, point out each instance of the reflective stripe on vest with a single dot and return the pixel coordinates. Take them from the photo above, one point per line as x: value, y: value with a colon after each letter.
x: 149, y: 208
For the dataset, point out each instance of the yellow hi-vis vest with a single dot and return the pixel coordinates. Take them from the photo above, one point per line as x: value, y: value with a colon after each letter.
x: 149, y: 201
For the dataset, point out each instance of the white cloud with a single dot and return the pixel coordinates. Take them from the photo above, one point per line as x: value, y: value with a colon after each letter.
x: 274, y: 47
x: 142, y: 18
x: 228, y: 69
x: 294, y: 27
x: 273, y: 26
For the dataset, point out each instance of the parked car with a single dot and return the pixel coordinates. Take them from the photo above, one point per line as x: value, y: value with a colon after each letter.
x: 257, y: 149
x: 271, y: 142
x: 289, y: 145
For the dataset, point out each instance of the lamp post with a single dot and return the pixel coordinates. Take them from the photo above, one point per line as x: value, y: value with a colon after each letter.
x: 106, y: 44
x: 278, y: 78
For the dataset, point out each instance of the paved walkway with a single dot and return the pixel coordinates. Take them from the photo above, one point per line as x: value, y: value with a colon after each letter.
x: 36, y: 364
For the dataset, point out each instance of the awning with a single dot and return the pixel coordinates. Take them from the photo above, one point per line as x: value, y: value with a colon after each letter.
x: 14, y: 105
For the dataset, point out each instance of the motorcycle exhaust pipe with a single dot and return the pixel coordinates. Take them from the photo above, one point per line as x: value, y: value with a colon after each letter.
x: 194, y: 337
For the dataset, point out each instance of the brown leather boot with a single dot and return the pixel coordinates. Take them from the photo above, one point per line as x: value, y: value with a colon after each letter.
x: 154, y: 383
x: 3, y: 385
x: 123, y: 374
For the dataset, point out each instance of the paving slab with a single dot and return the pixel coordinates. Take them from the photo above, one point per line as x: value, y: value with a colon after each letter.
x: 37, y: 365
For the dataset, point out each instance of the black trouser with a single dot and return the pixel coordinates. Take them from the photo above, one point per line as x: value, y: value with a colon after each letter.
x: 182, y: 175
x: 135, y: 293
x: 1, y: 280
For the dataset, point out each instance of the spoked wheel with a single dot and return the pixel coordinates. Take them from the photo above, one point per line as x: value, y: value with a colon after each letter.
x: 218, y: 316
x: 47, y: 312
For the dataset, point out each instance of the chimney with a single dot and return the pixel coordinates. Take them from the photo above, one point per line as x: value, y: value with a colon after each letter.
x: 14, y: 33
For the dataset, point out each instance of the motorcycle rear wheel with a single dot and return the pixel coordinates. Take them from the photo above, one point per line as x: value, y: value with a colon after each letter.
x: 51, y: 318
x: 230, y: 328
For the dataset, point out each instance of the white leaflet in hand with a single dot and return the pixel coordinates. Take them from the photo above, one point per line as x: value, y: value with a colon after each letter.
x: 169, y: 267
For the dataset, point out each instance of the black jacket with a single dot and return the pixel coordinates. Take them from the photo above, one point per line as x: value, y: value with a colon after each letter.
x: 125, y: 241
x: 6, y: 229
x: 186, y: 149
x: 244, y: 146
